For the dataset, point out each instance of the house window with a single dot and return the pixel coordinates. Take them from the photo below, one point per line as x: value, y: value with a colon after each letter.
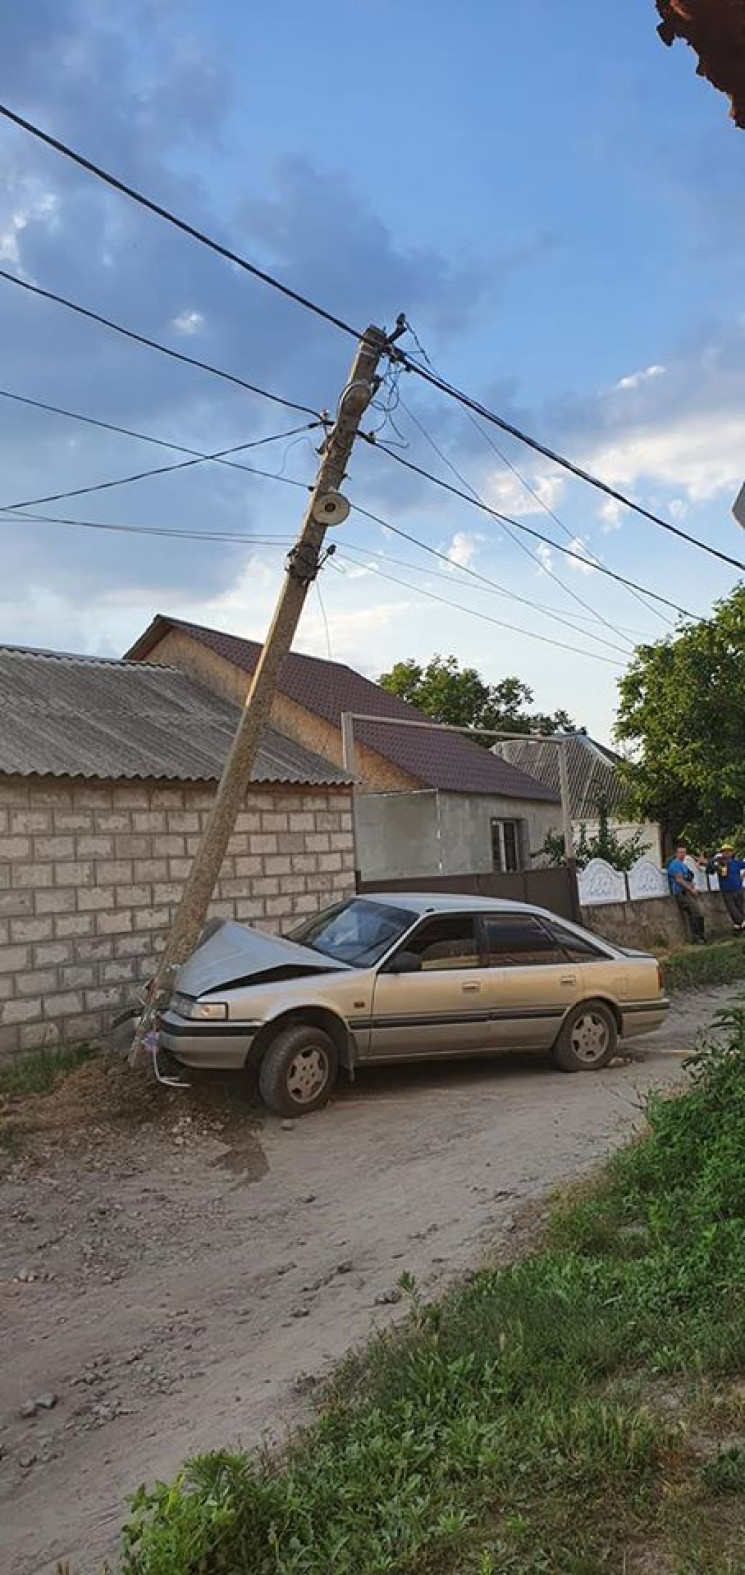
x: 505, y: 845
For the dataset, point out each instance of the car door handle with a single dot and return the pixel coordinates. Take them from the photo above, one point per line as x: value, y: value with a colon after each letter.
x: 471, y: 989
x: 568, y: 978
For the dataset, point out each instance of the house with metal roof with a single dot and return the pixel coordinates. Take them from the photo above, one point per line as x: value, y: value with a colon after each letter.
x: 107, y: 773
x: 594, y: 782
x: 427, y: 803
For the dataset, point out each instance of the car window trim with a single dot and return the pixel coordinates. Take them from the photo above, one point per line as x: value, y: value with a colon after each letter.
x: 536, y: 918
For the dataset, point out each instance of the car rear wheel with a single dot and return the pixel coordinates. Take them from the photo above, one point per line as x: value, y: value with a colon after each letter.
x: 298, y: 1071
x: 587, y: 1040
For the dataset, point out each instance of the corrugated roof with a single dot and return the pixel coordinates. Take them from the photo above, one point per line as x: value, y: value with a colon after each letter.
x: 447, y: 761
x: 86, y: 717
x: 593, y: 774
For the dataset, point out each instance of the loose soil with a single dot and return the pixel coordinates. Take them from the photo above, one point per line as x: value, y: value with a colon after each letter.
x: 179, y: 1270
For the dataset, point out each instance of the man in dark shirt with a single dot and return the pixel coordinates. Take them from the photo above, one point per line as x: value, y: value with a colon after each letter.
x: 682, y: 882
x: 730, y: 871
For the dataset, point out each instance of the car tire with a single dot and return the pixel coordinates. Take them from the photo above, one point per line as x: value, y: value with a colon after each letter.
x: 587, y: 1040
x: 298, y: 1071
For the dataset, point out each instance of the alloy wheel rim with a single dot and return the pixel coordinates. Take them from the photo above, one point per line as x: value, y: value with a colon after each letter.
x: 307, y: 1075
x: 590, y: 1038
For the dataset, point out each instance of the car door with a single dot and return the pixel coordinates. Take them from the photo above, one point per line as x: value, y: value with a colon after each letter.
x: 442, y: 1009
x: 530, y: 982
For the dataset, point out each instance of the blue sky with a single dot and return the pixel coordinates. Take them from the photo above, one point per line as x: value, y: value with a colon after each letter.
x: 553, y: 198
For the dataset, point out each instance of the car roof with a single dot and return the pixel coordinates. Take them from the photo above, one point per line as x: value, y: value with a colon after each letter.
x: 449, y: 902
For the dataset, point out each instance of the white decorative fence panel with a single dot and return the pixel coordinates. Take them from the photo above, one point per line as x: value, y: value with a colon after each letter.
x: 599, y: 882
x: 646, y: 879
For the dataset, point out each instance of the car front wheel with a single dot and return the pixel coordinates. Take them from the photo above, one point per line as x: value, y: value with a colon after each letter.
x: 587, y: 1040
x: 298, y: 1071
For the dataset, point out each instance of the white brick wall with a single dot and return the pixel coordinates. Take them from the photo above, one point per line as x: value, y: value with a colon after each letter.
x: 90, y: 874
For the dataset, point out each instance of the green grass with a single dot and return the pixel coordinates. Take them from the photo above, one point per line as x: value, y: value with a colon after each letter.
x: 541, y: 1420
x: 699, y: 967
x: 37, y: 1071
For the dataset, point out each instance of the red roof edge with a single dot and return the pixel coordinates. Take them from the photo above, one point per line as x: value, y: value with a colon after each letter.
x: 152, y: 635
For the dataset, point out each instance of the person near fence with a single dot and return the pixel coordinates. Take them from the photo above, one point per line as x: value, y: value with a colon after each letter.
x: 681, y: 880
x: 730, y: 872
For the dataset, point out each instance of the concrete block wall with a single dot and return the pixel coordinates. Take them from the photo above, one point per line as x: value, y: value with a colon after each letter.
x: 90, y: 874
x: 655, y: 924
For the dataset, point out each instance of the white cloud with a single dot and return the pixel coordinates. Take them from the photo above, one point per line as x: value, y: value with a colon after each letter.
x: 545, y: 556
x: 586, y: 566
x: 698, y: 453
x: 610, y: 513
x: 506, y: 492
x: 188, y: 322
x: 635, y: 379
x: 463, y: 548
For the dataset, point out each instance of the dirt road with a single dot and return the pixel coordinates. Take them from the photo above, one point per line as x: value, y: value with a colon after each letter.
x: 177, y: 1278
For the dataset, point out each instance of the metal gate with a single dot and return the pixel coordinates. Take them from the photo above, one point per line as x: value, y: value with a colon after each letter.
x: 555, y: 889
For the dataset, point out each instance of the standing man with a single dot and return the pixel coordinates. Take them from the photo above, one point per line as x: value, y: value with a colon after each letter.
x: 730, y: 871
x: 681, y: 880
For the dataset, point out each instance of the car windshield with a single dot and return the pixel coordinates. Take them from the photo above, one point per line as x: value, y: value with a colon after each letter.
x: 357, y: 932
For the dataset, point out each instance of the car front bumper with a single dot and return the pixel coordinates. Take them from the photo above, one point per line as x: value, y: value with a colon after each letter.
x: 217, y: 1046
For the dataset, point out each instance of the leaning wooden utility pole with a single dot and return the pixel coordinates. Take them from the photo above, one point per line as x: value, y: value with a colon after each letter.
x: 325, y: 507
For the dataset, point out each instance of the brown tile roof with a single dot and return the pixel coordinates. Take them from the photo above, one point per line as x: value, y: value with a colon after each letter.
x: 83, y: 716
x: 716, y: 30
x: 440, y: 760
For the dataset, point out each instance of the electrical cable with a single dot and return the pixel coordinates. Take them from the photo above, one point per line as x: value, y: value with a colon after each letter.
x: 560, y: 459
x: 600, y: 568
x: 154, y: 344
x: 162, y: 470
x: 173, y: 218
x: 232, y: 539
x: 513, y: 537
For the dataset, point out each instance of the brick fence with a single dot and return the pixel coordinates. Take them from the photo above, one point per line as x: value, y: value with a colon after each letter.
x: 90, y: 873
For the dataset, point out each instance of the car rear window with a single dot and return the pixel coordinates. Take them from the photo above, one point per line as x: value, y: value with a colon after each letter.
x: 517, y: 941
x: 578, y: 948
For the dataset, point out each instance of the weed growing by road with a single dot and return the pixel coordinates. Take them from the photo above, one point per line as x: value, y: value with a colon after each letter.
x: 37, y: 1071
x: 701, y: 967
x: 538, y: 1420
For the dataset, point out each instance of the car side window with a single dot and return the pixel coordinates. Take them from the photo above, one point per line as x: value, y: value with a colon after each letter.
x: 445, y: 943
x: 519, y: 941
x: 577, y: 948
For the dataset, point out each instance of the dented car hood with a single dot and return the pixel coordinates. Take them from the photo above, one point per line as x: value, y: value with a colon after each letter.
x: 234, y: 953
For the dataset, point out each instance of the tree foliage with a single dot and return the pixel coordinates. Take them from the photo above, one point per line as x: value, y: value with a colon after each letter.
x: 682, y: 710
x: 605, y: 844
x: 461, y: 697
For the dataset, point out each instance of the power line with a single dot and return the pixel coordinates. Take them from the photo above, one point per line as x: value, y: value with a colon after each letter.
x: 154, y: 344
x: 197, y: 455
x: 476, y: 503
x: 226, y: 538
x: 146, y: 437
x: 528, y: 485
x: 560, y: 459
x: 513, y: 537
x: 487, y: 586
x: 163, y: 470
x: 483, y: 579
x: 173, y: 218
x: 473, y: 612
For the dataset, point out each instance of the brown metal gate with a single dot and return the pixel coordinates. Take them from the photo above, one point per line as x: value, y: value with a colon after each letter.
x: 555, y: 889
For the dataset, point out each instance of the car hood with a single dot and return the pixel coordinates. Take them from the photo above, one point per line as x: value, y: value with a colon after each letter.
x: 235, y: 954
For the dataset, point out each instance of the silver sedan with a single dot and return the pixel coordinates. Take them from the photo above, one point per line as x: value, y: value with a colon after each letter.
x: 403, y: 978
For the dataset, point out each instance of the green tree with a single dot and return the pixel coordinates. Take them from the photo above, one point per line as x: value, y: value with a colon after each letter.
x: 604, y: 845
x: 682, y: 711
x: 460, y: 696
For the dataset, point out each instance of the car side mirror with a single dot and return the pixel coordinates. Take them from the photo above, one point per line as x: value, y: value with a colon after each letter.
x: 405, y: 962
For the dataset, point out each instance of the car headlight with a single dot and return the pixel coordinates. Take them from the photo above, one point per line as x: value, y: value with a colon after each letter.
x: 204, y: 1011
